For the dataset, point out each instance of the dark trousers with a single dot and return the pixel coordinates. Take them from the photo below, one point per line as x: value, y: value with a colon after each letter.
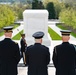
x: 23, y: 56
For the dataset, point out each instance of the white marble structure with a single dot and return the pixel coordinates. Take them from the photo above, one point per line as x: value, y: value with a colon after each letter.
x: 36, y: 20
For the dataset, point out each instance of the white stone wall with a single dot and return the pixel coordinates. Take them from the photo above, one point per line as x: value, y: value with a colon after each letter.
x: 36, y: 20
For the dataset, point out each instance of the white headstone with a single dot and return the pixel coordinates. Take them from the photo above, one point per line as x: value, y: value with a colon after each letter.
x: 36, y: 20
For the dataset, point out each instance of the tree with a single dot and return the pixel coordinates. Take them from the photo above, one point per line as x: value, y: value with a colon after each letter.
x: 57, y: 6
x: 51, y: 10
x: 45, y: 2
x: 19, y: 8
x: 37, y: 5
x: 68, y: 16
x: 7, y: 16
x: 69, y: 1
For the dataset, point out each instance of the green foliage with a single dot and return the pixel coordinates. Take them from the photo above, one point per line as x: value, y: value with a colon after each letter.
x: 51, y: 10
x: 37, y: 5
x: 11, y: 13
x: 19, y: 8
x: 20, y: 14
x: 57, y: 6
x: 53, y: 34
x: 7, y: 16
x: 45, y: 2
x: 69, y: 1
x: 68, y: 16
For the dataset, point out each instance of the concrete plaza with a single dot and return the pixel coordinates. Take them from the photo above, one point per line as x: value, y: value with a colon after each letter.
x: 23, y: 71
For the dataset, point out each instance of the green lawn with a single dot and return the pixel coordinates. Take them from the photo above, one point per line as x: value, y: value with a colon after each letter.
x: 18, y: 36
x: 64, y: 28
x: 53, y: 34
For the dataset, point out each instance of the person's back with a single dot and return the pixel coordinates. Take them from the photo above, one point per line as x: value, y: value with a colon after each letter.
x: 37, y: 59
x: 64, y: 56
x: 9, y: 55
x: 8, y: 49
x: 38, y: 55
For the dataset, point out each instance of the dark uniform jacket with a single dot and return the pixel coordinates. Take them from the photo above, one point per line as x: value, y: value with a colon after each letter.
x: 9, y: 57
x: 64, y: 57
x: 37, y: 58
x: 23, y: 45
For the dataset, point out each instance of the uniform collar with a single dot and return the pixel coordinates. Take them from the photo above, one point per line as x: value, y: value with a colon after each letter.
x: 7, y: 38
x: 65, y: 43
x: 37, y: 43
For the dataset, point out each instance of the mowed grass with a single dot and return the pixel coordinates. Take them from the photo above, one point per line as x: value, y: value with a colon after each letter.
x: 53, y: 34
x: 18, y: 36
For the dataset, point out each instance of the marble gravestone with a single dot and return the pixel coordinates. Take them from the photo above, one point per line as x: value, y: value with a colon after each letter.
x: 36, y: 20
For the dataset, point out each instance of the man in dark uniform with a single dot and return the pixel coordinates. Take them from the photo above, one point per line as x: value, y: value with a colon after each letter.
x: 37, y: 56
x: 9, y: 54
x: 64, y: 56
x: 23, y: 47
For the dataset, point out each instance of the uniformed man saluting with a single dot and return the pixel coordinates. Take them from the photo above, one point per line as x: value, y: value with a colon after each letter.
x: 37, y: 56
x: 64, y: 56
x: 9, y: 54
